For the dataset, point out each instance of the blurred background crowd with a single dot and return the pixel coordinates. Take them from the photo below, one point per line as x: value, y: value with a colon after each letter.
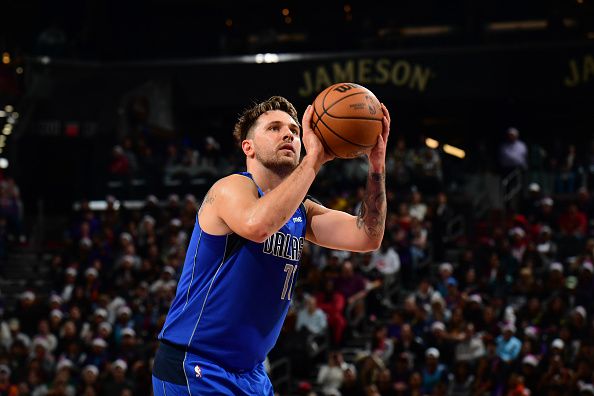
x: 112, y: 133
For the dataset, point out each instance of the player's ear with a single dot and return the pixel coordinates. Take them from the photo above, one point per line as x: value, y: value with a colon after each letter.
x: 248, y: 147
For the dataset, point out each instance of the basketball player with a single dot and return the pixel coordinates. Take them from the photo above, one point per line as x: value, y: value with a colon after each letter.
x: 243, y: 257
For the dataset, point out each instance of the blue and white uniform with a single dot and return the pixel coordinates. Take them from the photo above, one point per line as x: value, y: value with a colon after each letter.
x: 231, y: 302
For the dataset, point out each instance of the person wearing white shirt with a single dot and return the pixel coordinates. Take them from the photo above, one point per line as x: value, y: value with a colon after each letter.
x: 331, y: 375
x: 513, y: 152
x: 311, y: 317
x: 471, y: 348
x: 417, y: 208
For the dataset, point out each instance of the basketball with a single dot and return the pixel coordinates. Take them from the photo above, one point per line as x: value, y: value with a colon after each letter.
x: 347, y: 118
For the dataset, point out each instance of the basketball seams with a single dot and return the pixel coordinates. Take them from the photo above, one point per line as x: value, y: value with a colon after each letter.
x: 316, y: 113
x: 320, y: 135
x: 326, y: 146
x: 354, y: 118
x: 343, y: 138
x: 340, y: 100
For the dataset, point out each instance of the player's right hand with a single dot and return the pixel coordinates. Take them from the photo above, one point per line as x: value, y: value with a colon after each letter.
x: 313, y: 144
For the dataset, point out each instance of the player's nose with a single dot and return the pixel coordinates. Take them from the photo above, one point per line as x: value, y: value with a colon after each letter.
x: 288, y: 134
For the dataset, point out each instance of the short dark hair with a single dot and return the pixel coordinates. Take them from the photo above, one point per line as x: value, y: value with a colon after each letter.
x: 249, y: 116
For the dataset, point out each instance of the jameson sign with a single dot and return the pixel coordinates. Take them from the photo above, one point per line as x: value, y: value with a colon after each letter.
x: 539, y: 72
x: 580, y: 71
x: 367, y: 71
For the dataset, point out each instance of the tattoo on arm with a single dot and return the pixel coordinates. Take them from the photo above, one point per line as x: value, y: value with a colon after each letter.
x: 372, y: 215
x: 208, y: 200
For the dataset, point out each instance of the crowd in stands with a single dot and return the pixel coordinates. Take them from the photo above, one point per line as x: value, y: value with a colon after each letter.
x: 505, y: 309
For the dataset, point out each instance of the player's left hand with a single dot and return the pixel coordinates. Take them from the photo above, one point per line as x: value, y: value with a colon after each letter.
x: 377, y: 155
x: 311, y: 142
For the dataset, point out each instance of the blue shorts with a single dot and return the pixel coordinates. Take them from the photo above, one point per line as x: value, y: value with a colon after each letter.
x: 177, y: 372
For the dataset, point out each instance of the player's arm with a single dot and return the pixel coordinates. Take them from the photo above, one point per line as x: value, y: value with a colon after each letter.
x: 232, y: 204
x: 339, y: 230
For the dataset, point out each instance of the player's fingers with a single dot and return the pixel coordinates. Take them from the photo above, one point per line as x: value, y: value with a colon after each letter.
x: 386, y: 112
x: 380, y: 140
x: 386, y: 129
x: 306, y: 120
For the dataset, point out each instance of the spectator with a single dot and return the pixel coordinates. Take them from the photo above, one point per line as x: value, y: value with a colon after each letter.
x: 408, y: 343
x: 513, y: 153
x: 417, y: 208
x: 331, y: 375
x: 573, y: 222
x: 471, y: 348
x: 565, y: 181
x: 117, y: 383
x: 531, y: 203
x: 120, y: 167
x: 333, y: 303
x: 89, y: 381
x: 6, y: 387
x: 460, y: 381
x: 433, y: 372
x: 311, y: 318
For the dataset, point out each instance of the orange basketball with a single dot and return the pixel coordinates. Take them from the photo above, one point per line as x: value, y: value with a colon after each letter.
x: 348, y: 119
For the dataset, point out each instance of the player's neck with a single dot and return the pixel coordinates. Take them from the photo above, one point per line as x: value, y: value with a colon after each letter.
x: 267, y: 179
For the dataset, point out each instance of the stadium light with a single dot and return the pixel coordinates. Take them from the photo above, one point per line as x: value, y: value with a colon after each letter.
x: 3, y: 163
x: 426, y: 30
x: 267, y: 58
x: 6, y: 58
x: 455, y: 151
x: 532, y: 24
x: 8, y: 108
x: 270, y: 58
x: 432, y: 143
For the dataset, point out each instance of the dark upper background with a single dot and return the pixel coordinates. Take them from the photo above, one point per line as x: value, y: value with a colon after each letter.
x: 499, y: 63
x: 157, y: 29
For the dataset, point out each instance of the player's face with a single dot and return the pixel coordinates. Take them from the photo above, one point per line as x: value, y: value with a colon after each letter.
x: 277, y: 141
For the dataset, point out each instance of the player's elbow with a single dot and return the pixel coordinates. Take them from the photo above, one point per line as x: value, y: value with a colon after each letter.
x: 257, y: 231
x: 372, y: 244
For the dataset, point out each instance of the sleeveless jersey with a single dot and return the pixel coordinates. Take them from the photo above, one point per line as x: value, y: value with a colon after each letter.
x: 233, y: 294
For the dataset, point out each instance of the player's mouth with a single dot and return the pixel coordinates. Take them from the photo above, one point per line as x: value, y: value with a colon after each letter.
x: 287, y: 146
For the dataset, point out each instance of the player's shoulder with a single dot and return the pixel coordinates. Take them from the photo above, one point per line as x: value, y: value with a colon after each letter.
x: 233, y: 184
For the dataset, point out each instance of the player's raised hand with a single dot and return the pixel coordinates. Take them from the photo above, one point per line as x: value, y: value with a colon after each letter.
x: 377, y: 155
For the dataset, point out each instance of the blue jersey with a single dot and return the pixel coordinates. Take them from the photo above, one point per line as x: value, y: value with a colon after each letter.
x: 233, y: 294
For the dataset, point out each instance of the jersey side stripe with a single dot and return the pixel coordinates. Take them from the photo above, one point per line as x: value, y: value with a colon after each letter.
x: 207, y: 293
x: 200, y: 315
x: 193, y: 268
